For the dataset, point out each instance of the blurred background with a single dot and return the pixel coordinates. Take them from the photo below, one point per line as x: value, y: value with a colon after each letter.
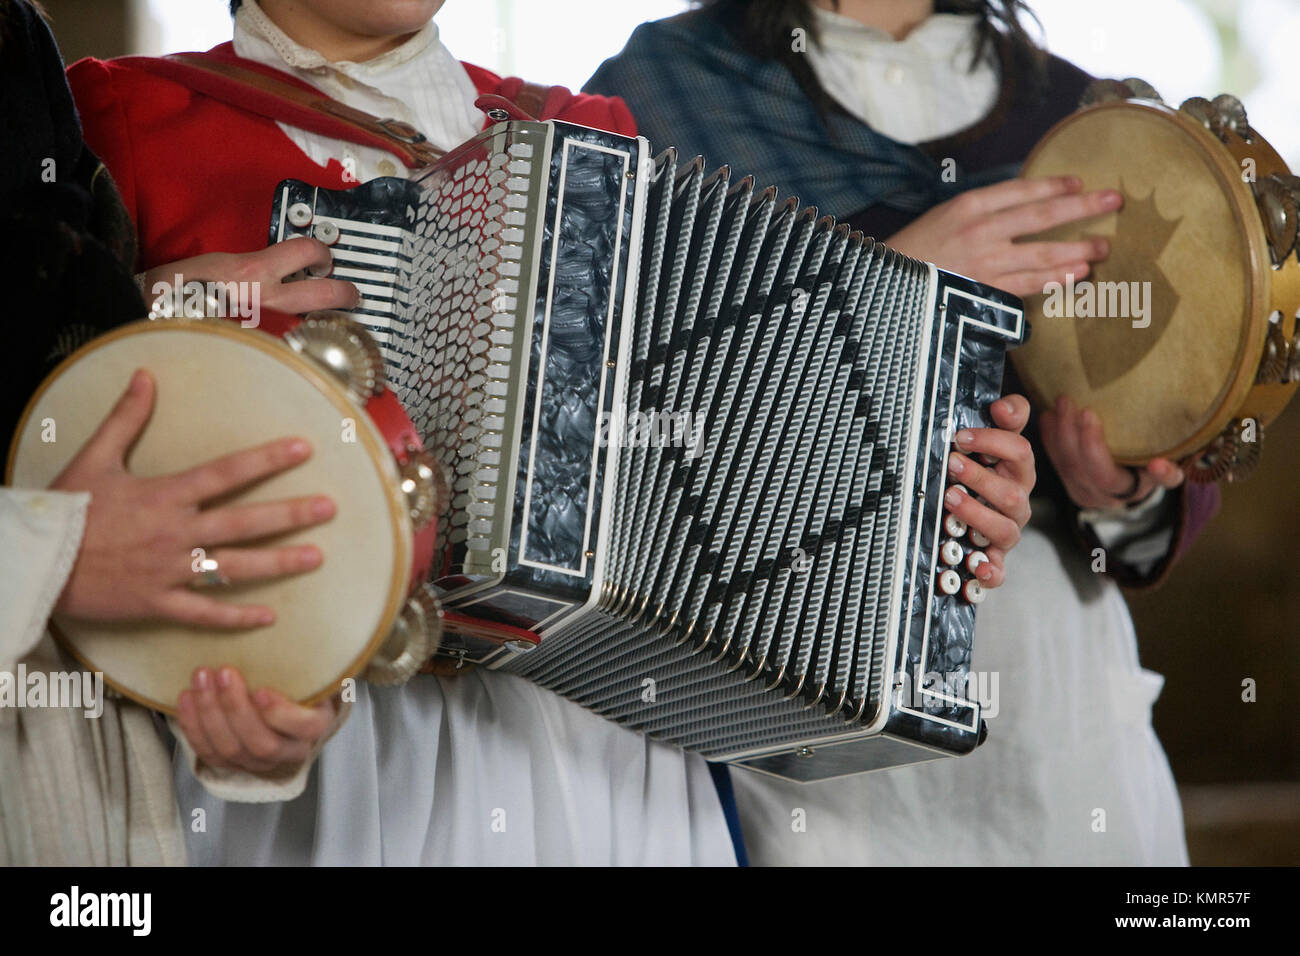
x: 1232, y: 611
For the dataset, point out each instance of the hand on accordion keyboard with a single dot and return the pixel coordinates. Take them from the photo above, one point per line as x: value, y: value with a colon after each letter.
x: 981, y: 233
x: 263, y: 274
x: 148, y: 540
x: 1076, y: 443
x: 996, y: 500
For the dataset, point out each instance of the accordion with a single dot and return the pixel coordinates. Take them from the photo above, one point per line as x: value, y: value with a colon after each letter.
x: 696, y: 437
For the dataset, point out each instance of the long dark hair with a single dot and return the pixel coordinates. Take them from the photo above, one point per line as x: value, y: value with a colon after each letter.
x: 764, y: 28
x: 9, y: 16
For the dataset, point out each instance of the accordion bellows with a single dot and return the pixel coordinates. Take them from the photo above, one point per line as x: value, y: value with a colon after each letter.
x: 697, y: 437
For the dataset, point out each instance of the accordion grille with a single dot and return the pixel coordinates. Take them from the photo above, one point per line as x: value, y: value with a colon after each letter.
x: 758, y: 493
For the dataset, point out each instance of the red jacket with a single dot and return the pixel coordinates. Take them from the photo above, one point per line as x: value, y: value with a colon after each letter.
x: 197, y: 174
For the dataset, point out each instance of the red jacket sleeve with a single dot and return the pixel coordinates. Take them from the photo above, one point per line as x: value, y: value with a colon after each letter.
x: 104, y: 125
x: 585, y: 109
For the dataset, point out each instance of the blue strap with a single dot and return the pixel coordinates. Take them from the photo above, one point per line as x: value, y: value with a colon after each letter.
x: 727, y: 796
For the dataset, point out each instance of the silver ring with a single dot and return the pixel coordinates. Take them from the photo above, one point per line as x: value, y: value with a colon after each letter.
x: 209, y: 575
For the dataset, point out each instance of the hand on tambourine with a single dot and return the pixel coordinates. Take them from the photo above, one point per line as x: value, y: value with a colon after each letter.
x: 137, y: 552
x: 1076, y: 444
x: 268, y: 268
x: 975, y: 233
x: 1002, y: 478
x: 231, y: 728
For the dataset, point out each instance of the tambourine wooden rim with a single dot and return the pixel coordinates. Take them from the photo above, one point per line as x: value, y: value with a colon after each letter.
x: 1266, y: 288
x: 368, y: 436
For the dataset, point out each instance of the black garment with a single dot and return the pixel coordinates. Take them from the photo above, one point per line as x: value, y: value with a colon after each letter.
x: 66, y: 243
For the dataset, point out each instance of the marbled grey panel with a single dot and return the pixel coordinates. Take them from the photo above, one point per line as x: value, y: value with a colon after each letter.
x: 974, y: 376
x: 576, y: 323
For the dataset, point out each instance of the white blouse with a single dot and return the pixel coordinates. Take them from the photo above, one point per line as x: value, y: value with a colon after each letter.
x: 419, y: 82
x: 913, y: 90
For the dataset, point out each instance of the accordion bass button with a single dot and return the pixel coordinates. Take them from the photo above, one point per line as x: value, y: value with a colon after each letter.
x: 327, y: 232
x: 953, y: 525
x: 300, y: 215
x: 973, y: 592
x: 950, y: 552
x: 974, y: 560
x: 949, y: 582
x: 978, y: 539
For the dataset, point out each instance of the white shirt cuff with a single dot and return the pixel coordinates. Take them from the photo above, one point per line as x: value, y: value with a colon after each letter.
x: 1139, y: 536
x: 42, y: 533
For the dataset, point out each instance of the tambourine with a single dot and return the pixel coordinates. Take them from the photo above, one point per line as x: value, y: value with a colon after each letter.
x: 366, y: 610
x: 1184, y: 340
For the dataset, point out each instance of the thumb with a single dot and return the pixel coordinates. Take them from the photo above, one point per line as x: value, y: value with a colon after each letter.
x: 1011, y: 413
x: 118, y: 432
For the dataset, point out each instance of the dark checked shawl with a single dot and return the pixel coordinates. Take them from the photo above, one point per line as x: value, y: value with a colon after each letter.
x: 690, y: 85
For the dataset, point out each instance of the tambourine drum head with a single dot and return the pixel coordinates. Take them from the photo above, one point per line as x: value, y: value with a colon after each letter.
x: 1182, y: 249
x: 221, y: 389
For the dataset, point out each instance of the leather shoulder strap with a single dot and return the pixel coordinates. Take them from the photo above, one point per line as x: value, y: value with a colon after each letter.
x: 277, y: 95
x: 532, y: 98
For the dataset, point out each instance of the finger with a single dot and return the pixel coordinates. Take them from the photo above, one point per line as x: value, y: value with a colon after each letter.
x: 1097, y: 461
x: 212, y: 720
x: 1011, y: 413
x: 1018, y: 192
x: 249, y: 522
x: 1049, y: 429
x: 1165, y: 473
x: 1029, y: 219
x: 1067, y: 435
x: 1060, y: 440
x: 1060, y: 433
x: 311, y: 295
x: 256, y: 564
x: 199, y: 610
x: 1001, y: 531
x: 235, y: 470
x: 285, y: 258
x: 294, y: 720
x: 187, y: 715
x: 1007, y: 496
x: 1035, y: 281
x: 1046, y: 256
x: 118, y: 432
x: 1014, y: 451
x: 992, y: 573
x: 258, y: 740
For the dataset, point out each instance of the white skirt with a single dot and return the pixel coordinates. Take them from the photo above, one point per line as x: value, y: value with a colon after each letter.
x: 1071, y: 772
x: 483, y: 769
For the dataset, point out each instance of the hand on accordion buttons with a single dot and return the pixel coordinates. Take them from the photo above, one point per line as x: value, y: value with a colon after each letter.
x: 265, y: 271
x: 231, y: 728
x: 137, y: 553
x: 996, y: 502
x: 978, y: 234
x: 1076, y: 444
